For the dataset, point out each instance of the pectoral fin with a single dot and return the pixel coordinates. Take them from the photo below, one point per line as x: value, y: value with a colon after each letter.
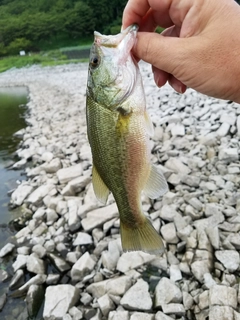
x: 156, y: 185
x: 99, y: 187
x: 149, y: 124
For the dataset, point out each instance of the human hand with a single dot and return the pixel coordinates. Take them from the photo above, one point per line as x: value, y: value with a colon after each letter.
x: 200, y: 47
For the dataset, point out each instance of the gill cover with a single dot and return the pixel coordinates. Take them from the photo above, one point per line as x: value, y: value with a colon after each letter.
x: 112, y: 70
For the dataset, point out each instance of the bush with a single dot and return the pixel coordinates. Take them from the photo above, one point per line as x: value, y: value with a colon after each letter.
x: 17, y: 45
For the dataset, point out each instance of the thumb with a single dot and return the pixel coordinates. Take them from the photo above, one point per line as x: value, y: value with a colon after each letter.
x: 164, y: 53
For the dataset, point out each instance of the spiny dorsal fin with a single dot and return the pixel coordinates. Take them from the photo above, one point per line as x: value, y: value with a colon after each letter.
x: 99, y: 187
x: 156, y: 185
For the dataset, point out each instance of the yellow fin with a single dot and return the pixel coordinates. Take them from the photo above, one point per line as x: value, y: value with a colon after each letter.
x: 149, y: 124
x: 142, y: 237
x: 100, y: 189
x: 156, y: 185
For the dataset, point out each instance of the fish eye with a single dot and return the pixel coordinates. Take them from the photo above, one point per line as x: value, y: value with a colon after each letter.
x: 94, y: 62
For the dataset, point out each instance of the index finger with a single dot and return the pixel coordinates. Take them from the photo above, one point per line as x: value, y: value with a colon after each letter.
x: 136, y: 10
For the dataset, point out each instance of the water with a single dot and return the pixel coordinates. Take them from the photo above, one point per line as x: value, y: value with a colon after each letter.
x: 12, y: 119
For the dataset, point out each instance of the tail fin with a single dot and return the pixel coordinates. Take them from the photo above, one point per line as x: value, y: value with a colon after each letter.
x: 142, y: 237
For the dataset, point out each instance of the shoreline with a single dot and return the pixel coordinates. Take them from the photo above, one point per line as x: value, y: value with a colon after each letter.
x: 71, y: 243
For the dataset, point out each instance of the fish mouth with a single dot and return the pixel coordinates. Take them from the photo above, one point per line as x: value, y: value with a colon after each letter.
x: 126, y: 37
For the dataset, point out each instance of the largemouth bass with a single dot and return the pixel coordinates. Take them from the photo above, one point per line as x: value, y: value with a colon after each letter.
x: 118, y: 131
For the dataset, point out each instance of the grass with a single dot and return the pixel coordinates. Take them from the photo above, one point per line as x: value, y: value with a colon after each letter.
x: 51, y: 58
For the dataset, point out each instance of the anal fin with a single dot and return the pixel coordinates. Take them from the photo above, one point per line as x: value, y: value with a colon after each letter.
x: 156, y: 185
x: 100, y: 189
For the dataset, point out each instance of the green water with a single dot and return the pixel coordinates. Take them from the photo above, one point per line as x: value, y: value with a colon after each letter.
x: 12, y: 119
x: 12, y: 112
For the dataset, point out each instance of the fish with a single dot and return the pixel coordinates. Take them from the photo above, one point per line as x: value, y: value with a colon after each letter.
x: 118, y: 129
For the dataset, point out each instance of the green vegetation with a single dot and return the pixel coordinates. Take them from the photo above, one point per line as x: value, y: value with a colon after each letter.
x: 50, y: 59
x: 36, y: 25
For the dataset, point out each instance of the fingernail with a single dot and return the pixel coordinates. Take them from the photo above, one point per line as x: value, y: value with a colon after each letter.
x: 156, y: 78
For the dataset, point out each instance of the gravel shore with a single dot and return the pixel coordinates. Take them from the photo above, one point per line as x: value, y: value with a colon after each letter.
x: 68, y: 254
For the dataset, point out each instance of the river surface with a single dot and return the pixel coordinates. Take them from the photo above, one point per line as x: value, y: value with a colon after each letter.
x: 12, y: 119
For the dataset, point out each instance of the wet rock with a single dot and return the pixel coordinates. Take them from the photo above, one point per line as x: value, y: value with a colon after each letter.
x: 20, y: 194
x: 34, y: 299
x: 17, y: 280
x: 8, y: 248
x: 3, y: 300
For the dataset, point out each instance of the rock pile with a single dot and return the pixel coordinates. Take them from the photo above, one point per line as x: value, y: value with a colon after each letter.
x: 69, y: 250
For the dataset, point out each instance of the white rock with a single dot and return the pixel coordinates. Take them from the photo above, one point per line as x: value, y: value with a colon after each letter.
x: 59, y: 262
x: 38, y: 279
x: 132, y: 260
x: 142, y: 316
x: 137, y: 297
x: 35, y: 265
x: 82, y: 267
x: 167, y: 292
x: 229, y: 258
x: 161, y: 316
x: 82, y: 239
x: 106, y: 304
x: 178, y: 130
x: 117, y: 286
x: 53, y: 166
x: 228, y: 155
x: 6, y: 249
x: 238, y: 125
x: 20, y: 194
x: 223, y: 130
x: 75, y: 313
x: 58, y: 300
x: 174, y: 308
x: 66, y: 174
x: 99, y: 216
x: 223, y: 296
x: 37, y: 195
x: 221, y: 313
x: 73, y: 219
x: 169, y: 233
x: 47, y: 156
x: 118, y: 315
x: 177, y: 166
x: 20, y: 262
x: 175, y: 273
